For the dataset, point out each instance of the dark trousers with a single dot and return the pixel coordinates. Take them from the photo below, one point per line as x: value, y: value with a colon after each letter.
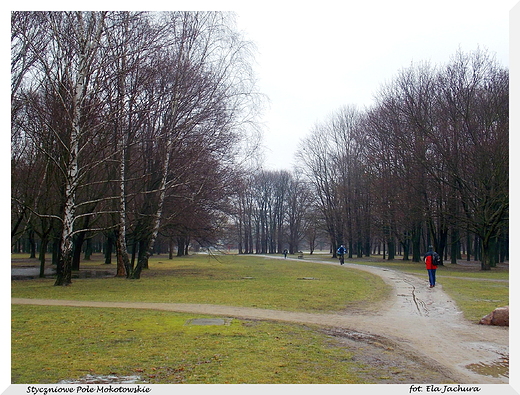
x: 431, y: 276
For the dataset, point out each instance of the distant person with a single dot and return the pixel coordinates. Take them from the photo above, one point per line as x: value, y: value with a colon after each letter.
x: 285, y: 252
x: 431, y: 258
x: 341, y: 254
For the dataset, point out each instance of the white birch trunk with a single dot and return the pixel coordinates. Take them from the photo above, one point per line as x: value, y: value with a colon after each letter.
x: 158, y: 215
x: 64, y: 270
x: 123, y: 262
x: 85, y: 57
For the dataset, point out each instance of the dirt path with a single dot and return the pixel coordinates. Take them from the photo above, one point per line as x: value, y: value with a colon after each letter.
x: 421, y: 322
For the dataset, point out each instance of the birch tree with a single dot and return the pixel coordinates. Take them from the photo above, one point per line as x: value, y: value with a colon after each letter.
x: 134, y: 43
x: 133, y: 112
x: 85, y: 30
x: 202, y: 84
x: 63, y: 72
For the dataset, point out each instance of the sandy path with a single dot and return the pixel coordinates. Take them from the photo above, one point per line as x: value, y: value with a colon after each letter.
x: 418, y: 320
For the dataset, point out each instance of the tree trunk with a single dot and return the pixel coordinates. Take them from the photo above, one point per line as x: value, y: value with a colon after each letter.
x: 148, y: 247
x: 64, y: 269
x: 109, y: 243
x: 485, y: 258
x: 124, y: 267
x: 468, y: 247
x: 88, y: 249
x: 406, y: 249
x: 32, y: 243
x: 76, y: 255
x: 43, y: 249
x: 416, y: 244
x: 455, y: 245
x: 170, y: 248
x: 123, y: 262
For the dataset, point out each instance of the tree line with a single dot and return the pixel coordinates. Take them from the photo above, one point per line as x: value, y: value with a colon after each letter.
x: 427, y: 164
x: 125, y: 123
x: 139, y: 126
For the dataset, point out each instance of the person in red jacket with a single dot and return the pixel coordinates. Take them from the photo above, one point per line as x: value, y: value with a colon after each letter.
x: 430, y: 259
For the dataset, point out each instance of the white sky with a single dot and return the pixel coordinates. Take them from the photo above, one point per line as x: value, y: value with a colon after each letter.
x: 316, y: 57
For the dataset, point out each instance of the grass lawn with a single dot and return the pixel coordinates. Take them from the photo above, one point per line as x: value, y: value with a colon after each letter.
x: 54, y: 343
x: 250, y: 281
x: 49, y: 344
x: 476, y: 298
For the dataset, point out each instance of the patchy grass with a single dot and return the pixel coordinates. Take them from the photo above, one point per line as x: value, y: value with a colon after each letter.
x: 50, y: 344
x: 54, y: 343
x: 476, y: 298
x: 249, y: 281
x: 462, y: 269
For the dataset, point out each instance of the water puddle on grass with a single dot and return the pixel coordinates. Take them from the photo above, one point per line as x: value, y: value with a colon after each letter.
x: 209, y: 321
x: 499, y: 368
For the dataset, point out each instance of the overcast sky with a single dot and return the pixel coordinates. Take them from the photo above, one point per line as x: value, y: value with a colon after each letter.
x: 318, y: 56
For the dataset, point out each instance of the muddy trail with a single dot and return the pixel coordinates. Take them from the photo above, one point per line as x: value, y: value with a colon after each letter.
x: 416, y: 335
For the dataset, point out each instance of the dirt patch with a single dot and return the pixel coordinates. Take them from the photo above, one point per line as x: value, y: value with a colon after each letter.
x: 381, y: 361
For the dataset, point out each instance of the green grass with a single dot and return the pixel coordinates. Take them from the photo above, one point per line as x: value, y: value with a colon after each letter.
x: 476, y: 298
x: 50, y: 344
x: 54, y: 343
x: 231, y: 280
x: 448, y: 269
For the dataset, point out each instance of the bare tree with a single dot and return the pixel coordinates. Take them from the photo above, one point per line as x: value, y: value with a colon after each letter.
x: 428, y: 161
x: 316, y: 158
x: 299, y: 200
x: 197, y: 82
x: 474, y: 147
x: 66, y: 67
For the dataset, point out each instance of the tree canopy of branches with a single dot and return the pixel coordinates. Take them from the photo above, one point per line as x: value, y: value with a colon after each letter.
x: 125, y: 123
x: 131, y: 124
x: 429, y: 160
x: 270, y: 212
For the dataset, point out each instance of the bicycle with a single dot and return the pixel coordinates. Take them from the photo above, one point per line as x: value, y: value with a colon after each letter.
x: 341, y: 254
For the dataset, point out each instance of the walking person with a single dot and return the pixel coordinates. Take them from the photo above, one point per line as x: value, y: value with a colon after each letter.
x: 431, y: 258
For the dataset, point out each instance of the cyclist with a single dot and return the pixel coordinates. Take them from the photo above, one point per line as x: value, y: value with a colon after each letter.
x: 341, y: 254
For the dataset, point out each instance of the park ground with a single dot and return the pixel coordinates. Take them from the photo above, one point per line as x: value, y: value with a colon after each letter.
x: 390, y: 327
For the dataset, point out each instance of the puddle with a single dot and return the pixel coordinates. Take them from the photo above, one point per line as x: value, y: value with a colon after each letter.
x: 499, y: 368
x: 29, y: 272
x: 209, y: 321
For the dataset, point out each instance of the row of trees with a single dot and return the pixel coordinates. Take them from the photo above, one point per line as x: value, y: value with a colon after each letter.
x: 429, y: 160
x: 132, y: 124
x: 126, y: 123
x: 272, y: 212
x: 426, y: 165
